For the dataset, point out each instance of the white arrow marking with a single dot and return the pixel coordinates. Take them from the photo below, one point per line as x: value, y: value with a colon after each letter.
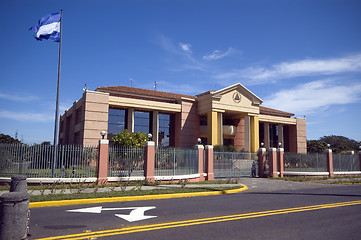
x: 136, y: 215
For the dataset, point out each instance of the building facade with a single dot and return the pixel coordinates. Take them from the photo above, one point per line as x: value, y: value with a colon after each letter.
x: 230, y: 116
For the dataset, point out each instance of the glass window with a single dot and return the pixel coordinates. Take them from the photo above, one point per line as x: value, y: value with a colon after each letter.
x: 164, y: 125
x: 116, y: 121
x: 142, y: 122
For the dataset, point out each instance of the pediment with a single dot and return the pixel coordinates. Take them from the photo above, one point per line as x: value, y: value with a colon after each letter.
x: 237, y: 94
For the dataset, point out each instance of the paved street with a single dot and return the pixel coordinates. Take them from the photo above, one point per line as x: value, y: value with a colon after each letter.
x: 269, y: 209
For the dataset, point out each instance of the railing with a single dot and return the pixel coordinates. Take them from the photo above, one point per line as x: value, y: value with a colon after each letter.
x: 38, y: 161
x: 125, y: 162
x: 311, y: 162
x: 234, y: 164
x: 345, y: 162
x: 172, y: 162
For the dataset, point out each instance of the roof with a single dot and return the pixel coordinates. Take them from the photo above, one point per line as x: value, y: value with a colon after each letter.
x: 129, y: 91
x: 142, y: 92
x: 274, y: 112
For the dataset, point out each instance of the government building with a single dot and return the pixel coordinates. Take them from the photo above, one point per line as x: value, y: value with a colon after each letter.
x: 230, y: 116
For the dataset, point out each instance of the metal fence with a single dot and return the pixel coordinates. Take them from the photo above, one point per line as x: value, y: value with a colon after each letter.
x: 172, y: 161
x: 345, y: 162
x: 311, y: 162
x: 37, y: 161
x: 234, y: 164
x: 125, y: 161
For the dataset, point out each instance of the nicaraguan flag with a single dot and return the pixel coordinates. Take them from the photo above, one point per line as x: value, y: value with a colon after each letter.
x: 48, y: 28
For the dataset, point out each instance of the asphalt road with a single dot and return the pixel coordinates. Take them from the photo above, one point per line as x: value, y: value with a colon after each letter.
x: 269, y: 209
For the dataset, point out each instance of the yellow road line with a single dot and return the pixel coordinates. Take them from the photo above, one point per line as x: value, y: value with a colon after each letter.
x: 132, y: 198
x: 153, y: 227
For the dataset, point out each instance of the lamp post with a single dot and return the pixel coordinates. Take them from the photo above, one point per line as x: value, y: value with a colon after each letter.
x: 262, y: 144
x: 199, y: 140
x: 279, y: 145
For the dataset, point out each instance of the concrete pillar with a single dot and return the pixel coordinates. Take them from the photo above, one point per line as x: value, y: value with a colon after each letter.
x: 329, y: 160
x: 261, y: 161
x: 280, y: 135
x: 200, y: 149
x: 272, y: 162
x: 220, y: 128
x: 212, y: 128
x: 209, y: 162
x: 103, y: 160
x: 14, y: 211
x: 149, y: 161
x: 155, y: 127
x: 247, y: 133
x: 254, y: 133
x: 280, y: 154
x: 266, y: 135
x: 18, y: 183
x: 130, y: 120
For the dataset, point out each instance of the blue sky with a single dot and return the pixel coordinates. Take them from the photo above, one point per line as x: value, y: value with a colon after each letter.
x: 302, y: 57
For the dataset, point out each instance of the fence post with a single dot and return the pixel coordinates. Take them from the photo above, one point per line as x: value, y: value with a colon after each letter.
x: 328, y: 153
x: 261, y: 161
x: 281, y: 161
x: 209, y: 162
x: 149, y: 161
x: 200, y: 149
x: 272, y: 162
x: 359, y: 157
x: 103, y: 160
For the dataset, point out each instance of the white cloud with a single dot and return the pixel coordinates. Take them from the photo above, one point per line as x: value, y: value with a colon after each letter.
x: 26, y: 116
x: 186, y: 47
x: 218, y: 54
x: 314, y: 96
x: 290, y: 69
x: 17, y: 98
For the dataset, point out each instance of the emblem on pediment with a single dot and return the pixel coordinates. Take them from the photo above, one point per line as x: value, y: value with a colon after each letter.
x: 236, y: 97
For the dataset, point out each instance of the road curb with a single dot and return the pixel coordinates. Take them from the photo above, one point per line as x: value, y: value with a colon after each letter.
x: 133, y: 198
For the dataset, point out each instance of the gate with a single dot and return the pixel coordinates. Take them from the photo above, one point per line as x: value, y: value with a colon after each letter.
x: 234, y: 164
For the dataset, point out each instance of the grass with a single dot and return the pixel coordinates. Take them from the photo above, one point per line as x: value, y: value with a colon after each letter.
x: 337, y: 180
x: 55, y: 197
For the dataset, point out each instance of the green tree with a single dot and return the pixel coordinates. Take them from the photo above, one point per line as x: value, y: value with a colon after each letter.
x: 130, y: 139
x: 338, y: 144
x: 316, y: 146
x: 8, y: 139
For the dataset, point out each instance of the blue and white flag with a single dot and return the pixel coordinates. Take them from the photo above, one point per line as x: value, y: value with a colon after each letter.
x: 48, y: 28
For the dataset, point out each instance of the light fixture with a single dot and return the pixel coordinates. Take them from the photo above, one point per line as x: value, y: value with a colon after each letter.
x: 150, y: 136
x: 262, y: 144
x: 199, y: 140
x: 279, y: 144
x: 328, y: 145
x: 103, y: 133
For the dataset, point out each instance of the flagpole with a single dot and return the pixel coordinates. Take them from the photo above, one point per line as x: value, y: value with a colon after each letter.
x: 57, y: 101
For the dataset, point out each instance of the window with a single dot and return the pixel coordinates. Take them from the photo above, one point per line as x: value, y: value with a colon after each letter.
x: 164, y: 125
x: 142, y: 122
x: 116, y: 121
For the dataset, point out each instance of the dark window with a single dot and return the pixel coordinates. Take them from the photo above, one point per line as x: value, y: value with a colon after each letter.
x: 164, y: 124
x: 116, y: 121
x: 142, y: 122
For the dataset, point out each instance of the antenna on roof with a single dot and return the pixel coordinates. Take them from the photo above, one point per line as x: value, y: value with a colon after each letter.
x: 155, y: 85
x: 85, y: 88
x: 131, y: 82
